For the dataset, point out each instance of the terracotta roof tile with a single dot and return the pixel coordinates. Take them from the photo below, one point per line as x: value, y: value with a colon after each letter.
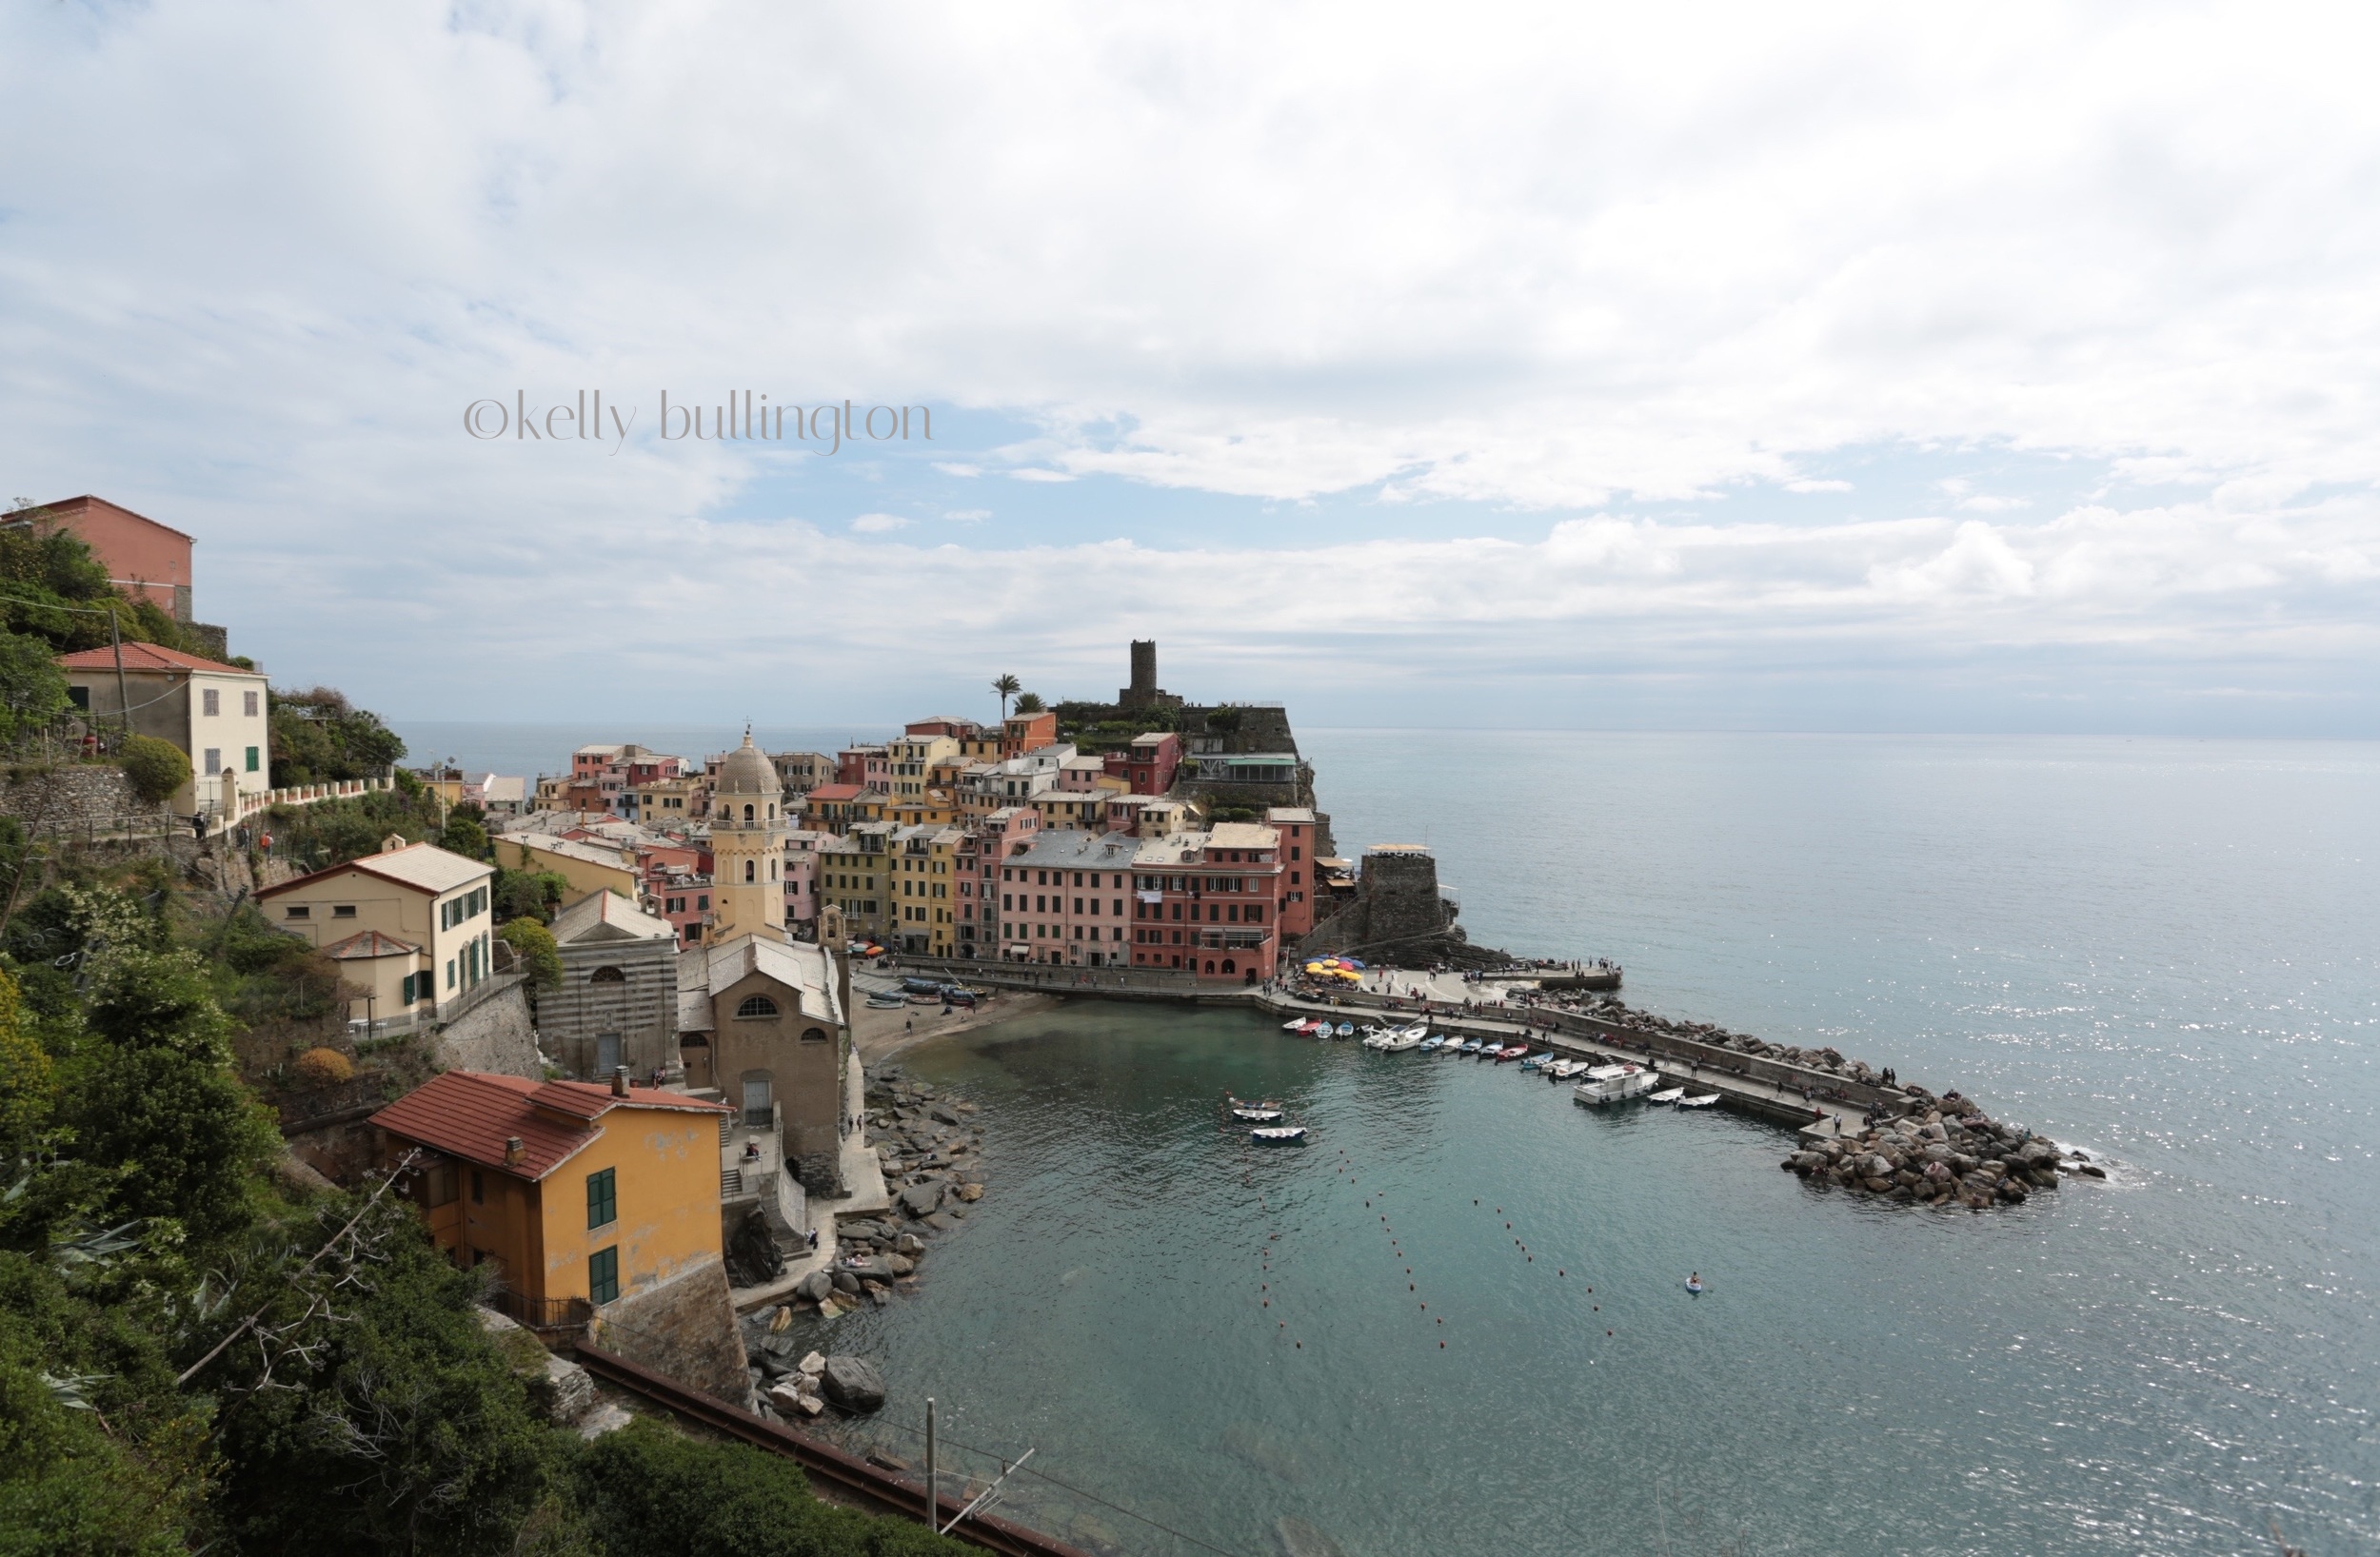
x: 469, y: 1113
x: 148, y: 657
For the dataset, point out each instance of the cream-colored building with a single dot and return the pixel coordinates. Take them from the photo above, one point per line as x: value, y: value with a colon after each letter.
x: 910, y: 761
x: 411, y: 924
x: 748, y: 827
x: 588, y: 866
x: 213, y: 711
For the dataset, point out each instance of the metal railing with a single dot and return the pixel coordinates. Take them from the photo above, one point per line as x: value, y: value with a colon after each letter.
x: 542, y: 1313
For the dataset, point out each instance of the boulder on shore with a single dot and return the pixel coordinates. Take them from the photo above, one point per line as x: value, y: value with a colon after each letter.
x: 853, y: 1383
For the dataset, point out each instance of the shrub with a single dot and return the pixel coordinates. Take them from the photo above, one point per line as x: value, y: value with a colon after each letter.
x: 541, y: 957
x: 157, y: 768
x: 320, y: 1067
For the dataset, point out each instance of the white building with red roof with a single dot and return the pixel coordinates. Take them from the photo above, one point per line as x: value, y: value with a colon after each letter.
x: 412, y: 924
x: 213, y: 711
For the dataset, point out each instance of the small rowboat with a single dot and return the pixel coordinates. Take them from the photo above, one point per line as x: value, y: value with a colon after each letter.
x: 1537, y: 1062
x: 1346, y: 1029
x: 1471, y: 1046
x: 1436, y: 1041
x: 1670, y: 1096
x: 1278, y: 1135
x: 1256, y: 1117
x: 1295, y: 1024
x: 1510, y: 1051
x: 1702, y: 1102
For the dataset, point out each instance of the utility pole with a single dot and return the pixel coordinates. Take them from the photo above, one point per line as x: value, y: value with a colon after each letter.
x: 124, y: 697
x: 933, y: 1502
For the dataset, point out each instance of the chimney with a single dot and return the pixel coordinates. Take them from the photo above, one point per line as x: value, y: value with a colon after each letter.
x: 620, y: 1081
x: 515, y: 1154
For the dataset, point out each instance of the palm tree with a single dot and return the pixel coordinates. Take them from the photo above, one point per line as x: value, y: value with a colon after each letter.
x: 1007, y: 687
x: 1030, y: 703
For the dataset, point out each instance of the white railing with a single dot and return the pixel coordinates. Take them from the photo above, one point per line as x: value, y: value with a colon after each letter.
x: 236, y: 805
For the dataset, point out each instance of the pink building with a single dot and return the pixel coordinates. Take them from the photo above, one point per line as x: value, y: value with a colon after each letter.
x: 1002, y: 836
x: 1211, y: 902
x: 1295, y: 825
x: 802, y: 846
x: 1067, y: 899
x: 1149, y: 763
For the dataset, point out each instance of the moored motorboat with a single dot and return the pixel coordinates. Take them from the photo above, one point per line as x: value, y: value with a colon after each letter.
x: 1510, y: 1051
x: 1702, y: 1102
x: 1471, y: 1046
x: 1295, y: 1024
x: 1539, y: 1061
x: 1278, y: 1134
x: 1257, y: 1116
x: 1615, y: 1083
x: 1672, y: 1096
x: 1346, y: 1029
x: 1410, y: 1038
x: 1436, y: 1040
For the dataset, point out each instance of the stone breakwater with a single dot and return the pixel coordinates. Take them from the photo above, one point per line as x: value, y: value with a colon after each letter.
x: 1951, y: 1155
x: 1828, y: 1060
x: 928, y: 1146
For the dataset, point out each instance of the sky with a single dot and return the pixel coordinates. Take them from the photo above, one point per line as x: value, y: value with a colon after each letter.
x: 1957, y: 367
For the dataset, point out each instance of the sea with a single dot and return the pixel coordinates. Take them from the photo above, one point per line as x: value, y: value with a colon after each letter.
x: 1455, y: 1321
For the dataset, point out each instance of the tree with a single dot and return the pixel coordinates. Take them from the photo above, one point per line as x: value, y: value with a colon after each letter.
x: 318, y: 737
x: 655, y: 1493
x: 157, y: 768
x: 1030, y: 702
x: 33, y: 688
x: 539, y: 952
x: 465, y: 835
x: 1007, y: 687
x: 530, y: 895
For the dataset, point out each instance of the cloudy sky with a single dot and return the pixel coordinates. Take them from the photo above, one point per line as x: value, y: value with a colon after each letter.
x: 1818, y: 367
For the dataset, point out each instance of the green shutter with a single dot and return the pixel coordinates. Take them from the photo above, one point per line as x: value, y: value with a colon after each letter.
x: 603, y: 1274
x: 603, y: 1199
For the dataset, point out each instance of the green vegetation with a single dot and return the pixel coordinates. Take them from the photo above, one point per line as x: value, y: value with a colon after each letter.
x: 33, y: 688
x: 330, y: 832
x: 191, y: 1359
x: 319, y: 737
x: 538, y: 951
x: 530, y: 895
x: 1030, y: 702
x: 156, y: 768
x: 1007, y: 687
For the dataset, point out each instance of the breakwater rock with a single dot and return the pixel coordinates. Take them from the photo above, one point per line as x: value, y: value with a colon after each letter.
x: 1952, y: 1155
x: 1810, y: 1057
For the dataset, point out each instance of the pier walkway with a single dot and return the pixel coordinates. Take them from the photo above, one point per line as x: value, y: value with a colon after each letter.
x: 1811, y: 1101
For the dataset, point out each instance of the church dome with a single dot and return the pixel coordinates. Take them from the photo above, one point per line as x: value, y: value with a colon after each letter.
x: 748, y: 771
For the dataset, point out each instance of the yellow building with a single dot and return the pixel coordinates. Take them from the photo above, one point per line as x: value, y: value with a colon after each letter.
x: 748, y: 828
x: 1081, y: 811
x: 854, y: 875
x: 411, y: 924
x: 935, y: 808
x: 921, y: 888
x: 576, y: 1193
x: 909, y: 762
x: 588, y: 867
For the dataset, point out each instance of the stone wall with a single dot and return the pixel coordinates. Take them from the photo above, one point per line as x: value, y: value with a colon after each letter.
x: 494, y: 1034
x: 637, y: 999
x: 683, y: 1328
x: 88, y: 798
x: 1398, y: 915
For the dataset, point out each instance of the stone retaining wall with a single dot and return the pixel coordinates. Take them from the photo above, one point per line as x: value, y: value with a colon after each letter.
x: 683, y: 1328
x: 92, y: 799
x: 494, y: 1034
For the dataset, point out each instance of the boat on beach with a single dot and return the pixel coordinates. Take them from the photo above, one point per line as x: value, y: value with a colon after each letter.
x: 1615, y: 1083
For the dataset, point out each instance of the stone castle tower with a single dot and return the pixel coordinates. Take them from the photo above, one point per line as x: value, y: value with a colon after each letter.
x: 1144, y: 692
x: 747, y: 848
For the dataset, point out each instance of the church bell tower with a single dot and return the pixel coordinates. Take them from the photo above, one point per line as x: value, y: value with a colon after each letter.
x: 747, y: 847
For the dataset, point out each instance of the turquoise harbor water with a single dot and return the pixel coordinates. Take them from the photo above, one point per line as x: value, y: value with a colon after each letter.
x: 2160, y: 951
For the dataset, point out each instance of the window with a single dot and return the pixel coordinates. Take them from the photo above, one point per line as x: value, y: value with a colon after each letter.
x: 254, y: 761
x: 299, y: 911
x: 215, y: 760
x: 813, y: 1034
x: 79, y: 697
x: 603, y: 1199
x: 248, y: 704
x: 607, y: 975
x: 479, y: 1188
x: 757, y: 1005
x: 211, y: 702
x: 750, y: 874
x: 449, y: 973
x: 343, y: 911
x: 438, y: 1185
x: 603, y: 1274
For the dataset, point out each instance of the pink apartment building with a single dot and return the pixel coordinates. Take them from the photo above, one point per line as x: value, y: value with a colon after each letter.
x: 1211, y: 902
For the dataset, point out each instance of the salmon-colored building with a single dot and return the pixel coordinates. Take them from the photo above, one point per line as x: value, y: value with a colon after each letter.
x: 141, y: 557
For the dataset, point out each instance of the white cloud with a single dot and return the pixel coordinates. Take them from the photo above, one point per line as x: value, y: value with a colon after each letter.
x: 1562, y: 261
x: 878, y: 523
x: 967, y: 516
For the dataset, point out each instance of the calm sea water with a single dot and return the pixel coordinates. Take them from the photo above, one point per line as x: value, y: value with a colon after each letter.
x: 2164, y: 951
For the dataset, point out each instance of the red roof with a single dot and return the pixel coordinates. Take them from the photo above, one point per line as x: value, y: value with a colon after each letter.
x: 469, y: 1113
x: 149, y: 656
x: 837, y: 792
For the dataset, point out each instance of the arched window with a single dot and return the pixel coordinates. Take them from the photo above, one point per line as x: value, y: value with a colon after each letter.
x: 747, y: 813
x: 607, y: 975
x: 813, y: 1034
x: 757, y: 1005
x: 749, y: 868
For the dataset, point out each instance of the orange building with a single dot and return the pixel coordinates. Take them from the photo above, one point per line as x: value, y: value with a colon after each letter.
x: 580, y: 1193
x: 1022, y: 733
x: 141, y: 557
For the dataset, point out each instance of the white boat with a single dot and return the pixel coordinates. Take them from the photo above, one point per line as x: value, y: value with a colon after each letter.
x: 1278, y: 1134
x: 1399, y: 1043
x: 1295, y: 1024
x: 1702, y: 1102
x: 1434, y: 1041
x: 1615, y: 1083
x: 1258, y: 1116
x: 1371, y: 1029
x: 1563, y: 1070
x: 1670, y: 1096
x: 1346, y: 1029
